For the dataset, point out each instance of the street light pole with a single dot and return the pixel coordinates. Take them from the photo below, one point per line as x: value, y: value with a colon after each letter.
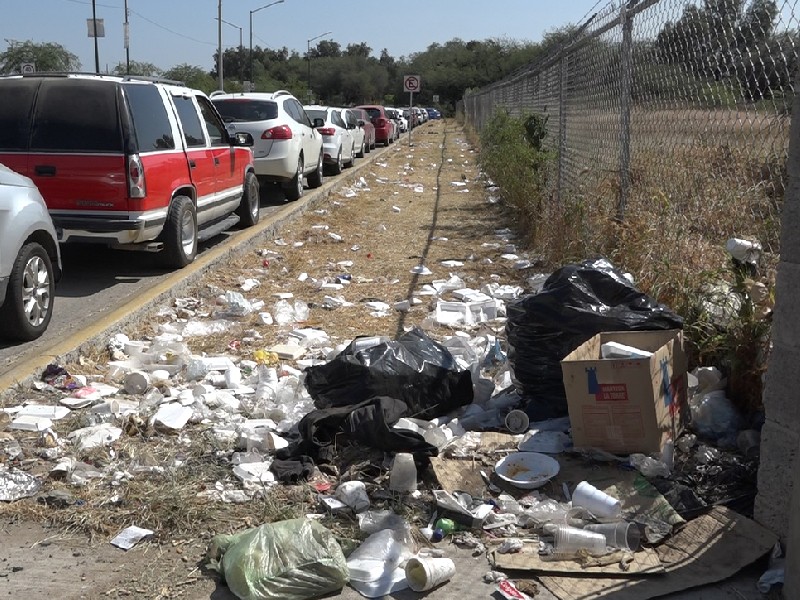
x: 308, y: 58
x: 251, y: 33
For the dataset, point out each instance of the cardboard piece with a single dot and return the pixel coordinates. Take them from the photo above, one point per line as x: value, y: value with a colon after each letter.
x: 706, y: 550
x: 644, y: 562
x: 626, y: 405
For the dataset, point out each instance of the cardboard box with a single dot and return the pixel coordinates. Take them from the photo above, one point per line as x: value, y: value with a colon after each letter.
x: 625, y: 405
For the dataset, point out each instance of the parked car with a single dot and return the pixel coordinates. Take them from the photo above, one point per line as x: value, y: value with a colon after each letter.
x: 369, y: 129
x: 398, y: 119
x: 434, y: 113
x: 338, y: 145
x: 350, y: 118
x: 30, y: 259
x: 384, y: 126
x: 287, y: 146
x: 410, y: 117
x: 128, y: 162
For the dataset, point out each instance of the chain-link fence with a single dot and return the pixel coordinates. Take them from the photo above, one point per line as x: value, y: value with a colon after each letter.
x: 663, y: 96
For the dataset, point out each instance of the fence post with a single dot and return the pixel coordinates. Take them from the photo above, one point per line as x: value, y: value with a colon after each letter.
x: 562, y: 125
x: 626, y: 82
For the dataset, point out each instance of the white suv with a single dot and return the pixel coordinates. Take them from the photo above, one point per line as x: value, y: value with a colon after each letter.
x: 287, y: 147
x: 30, y: 260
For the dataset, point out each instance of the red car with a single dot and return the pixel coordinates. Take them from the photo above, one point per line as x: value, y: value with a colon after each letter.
x: 384, y: 126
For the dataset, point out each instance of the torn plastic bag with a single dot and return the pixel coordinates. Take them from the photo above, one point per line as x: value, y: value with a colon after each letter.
x: 295, y: 559
x: 369, y: 423
x: 414, y: 369
x: 575, y: 303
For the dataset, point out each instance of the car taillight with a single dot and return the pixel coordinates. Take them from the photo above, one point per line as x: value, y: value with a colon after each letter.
x: 136, y: 184
x: 281, y: 132
x: 380, y: 122
x: 326, y: 130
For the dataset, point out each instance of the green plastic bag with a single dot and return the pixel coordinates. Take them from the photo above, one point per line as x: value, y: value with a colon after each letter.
x: 288, y: 560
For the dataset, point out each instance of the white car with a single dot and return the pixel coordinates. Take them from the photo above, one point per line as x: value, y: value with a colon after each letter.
x: 350, y: 119
x: 30, y: 259
x: 338, y: 145
x: 287, y: 146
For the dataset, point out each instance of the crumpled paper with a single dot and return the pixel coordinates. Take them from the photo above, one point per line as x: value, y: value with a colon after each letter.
x: 16, y: 484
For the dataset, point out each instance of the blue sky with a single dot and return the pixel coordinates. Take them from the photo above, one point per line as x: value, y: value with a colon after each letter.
x: 171, y: 32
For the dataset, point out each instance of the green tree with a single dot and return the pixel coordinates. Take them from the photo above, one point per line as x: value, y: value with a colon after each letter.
x: 46, y: 57
x: 137, y: 68
x: 192, y: 76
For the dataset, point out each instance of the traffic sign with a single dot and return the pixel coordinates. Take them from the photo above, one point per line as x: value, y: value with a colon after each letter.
x: 27, y: 68
x: 412, y: 83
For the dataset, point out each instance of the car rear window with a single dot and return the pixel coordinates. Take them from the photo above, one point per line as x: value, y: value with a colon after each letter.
x: 245, y: 110
x: 74, y: 115
x: 150, y: 119
x: 374, y: 113
x: 15, y: 112
x: 317, y: 114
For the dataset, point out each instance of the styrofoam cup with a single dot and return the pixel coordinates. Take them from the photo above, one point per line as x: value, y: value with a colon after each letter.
x: 136, y: 382
x: 517, y: 421
x: 596, y: 501
x: 569, y: 540
x: 622, y: 534
x: 425, y: 573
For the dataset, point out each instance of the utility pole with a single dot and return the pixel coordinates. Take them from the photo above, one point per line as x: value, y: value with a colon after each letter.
x: 96, y: 49
x: 219, y: 53
x: 127, y: 42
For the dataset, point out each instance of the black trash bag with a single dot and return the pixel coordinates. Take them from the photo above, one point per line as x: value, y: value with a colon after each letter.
x: 575, y: 303
x: 369, y: 423
x: 414, y: 369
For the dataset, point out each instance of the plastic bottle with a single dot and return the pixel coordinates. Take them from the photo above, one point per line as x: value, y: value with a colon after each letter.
x: 403, y: 477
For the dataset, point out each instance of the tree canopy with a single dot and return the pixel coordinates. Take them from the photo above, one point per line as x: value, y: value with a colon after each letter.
x: 731, y: 40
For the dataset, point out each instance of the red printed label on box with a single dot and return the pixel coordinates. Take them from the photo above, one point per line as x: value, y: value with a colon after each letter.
x: 612, y: 392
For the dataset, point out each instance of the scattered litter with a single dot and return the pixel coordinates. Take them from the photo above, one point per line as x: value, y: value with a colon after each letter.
x: 130, y: 536
x: 16, y: 484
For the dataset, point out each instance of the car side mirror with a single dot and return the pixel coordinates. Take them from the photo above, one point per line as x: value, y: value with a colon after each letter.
x: 361, y: 122
x: 242, y: 138
x: 318, y: 122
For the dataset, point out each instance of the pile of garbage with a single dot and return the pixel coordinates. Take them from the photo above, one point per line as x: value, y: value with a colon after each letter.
x: 300, y: 411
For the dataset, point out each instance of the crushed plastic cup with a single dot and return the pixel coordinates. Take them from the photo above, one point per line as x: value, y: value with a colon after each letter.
x: 622, y: 534
x: 596, y: 501
x: 426, y: 573
x: 569, y: 540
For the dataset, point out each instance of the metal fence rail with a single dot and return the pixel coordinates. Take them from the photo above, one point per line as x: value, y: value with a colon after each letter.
x: 663, y: 96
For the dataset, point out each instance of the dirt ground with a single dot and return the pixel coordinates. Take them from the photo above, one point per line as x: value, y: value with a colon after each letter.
x: 410, y: 207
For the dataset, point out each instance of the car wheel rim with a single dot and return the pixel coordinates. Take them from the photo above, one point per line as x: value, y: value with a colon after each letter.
x: 36, y: 291
x: 253, y: 196
x: 187, y: 233
x: 299, y: 177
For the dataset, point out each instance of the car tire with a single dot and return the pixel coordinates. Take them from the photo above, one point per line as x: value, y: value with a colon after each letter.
x: 351, y: 163
x: 317, y: 177
x: 336, y: 168
x: 360, y: 153
x: 249, y: 210
x: 28, y: 306
x: 367, y: 147
x: 294, y: 189
x: 180, y: 233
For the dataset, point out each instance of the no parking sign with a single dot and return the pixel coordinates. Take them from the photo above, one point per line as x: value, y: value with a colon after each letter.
x: 412, y: 83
